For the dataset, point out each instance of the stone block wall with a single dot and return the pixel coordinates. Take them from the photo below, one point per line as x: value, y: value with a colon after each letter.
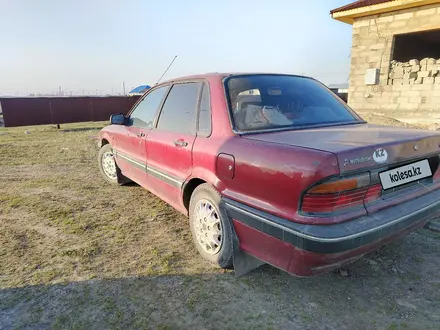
x: 372, y: 47
x: 415, y: 72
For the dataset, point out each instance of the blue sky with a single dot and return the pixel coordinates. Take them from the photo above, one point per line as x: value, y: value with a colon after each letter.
x: 95, y: 45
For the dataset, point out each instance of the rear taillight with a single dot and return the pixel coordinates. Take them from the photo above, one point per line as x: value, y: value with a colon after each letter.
x: 340, y: 194
x: 373, y: 193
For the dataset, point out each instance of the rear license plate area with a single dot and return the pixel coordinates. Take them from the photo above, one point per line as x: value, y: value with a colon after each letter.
x: 405, y: 174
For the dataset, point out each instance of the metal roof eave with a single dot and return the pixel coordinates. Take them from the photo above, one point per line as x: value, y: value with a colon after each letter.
x: 348, y: 16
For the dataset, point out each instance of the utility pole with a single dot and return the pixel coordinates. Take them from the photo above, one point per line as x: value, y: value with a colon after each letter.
x: 123, y: 86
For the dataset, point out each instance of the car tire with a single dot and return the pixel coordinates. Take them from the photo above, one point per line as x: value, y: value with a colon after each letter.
x: 108, y: 167
x: 205, y: 200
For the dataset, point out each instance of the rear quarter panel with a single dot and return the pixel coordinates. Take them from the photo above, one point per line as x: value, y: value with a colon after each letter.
x: 206, y: 149
x: 272, y: 177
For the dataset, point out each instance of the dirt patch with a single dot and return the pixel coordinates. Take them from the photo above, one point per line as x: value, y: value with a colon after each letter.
x: 78, y: 253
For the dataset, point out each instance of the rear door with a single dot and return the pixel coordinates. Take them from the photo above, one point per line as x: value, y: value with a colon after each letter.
x: 130, y: 145
x: 169, y: 145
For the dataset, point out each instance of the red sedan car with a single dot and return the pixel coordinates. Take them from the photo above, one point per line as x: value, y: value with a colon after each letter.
x: 274, y: 169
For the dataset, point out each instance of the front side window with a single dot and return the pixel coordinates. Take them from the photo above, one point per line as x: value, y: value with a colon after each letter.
x: 145, y: 112
x: 266, y: 102
x: 179, y: 110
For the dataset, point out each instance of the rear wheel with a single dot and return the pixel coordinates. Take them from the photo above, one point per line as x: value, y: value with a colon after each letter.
x: 212, y: 234
x: 107, y: 165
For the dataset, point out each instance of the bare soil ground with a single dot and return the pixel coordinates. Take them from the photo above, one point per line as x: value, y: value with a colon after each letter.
x: 77, y: 253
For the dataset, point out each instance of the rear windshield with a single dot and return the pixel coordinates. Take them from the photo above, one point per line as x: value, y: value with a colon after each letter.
x: 266, y: 102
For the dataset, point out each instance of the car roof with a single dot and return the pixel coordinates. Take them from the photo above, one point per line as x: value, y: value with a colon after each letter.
x: 218, y: 75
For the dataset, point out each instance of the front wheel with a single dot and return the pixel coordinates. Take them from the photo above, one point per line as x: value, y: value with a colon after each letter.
x: 212, y: 234
x: 108, y: 168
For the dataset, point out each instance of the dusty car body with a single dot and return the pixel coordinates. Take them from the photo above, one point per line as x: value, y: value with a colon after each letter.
x: 274, y: 168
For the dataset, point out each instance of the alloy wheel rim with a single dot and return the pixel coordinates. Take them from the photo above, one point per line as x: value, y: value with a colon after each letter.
x: 108, y: 165
x: 207, y: 227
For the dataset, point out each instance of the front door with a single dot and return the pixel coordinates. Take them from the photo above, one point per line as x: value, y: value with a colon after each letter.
x: 130, y: 151
x: 169, y: 145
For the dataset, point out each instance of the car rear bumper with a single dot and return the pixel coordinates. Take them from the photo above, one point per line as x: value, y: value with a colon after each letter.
x: 306, y: 250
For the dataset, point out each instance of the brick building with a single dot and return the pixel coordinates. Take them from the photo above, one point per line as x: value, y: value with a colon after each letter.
x: 395, y: 57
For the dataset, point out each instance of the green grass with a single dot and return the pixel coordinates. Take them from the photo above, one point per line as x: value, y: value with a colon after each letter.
x: 51, y: 186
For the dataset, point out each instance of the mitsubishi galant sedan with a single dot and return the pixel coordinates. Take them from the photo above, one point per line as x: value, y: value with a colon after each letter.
x: 275, y: 168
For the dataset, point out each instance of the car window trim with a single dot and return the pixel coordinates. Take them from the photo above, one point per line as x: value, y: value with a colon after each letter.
x: 199, y: 133
x: 134, y: 107
x: 180, y: 82
x: 159, y: 112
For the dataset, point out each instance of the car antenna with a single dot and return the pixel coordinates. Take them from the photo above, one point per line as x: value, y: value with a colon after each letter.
x: 169, y: 66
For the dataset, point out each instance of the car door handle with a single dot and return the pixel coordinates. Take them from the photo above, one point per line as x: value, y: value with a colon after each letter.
x: 180, y: 143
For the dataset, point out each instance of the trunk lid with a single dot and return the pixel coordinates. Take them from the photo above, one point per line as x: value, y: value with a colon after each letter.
x: 362, y: 145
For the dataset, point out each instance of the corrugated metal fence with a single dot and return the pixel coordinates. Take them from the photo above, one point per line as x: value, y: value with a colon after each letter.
x: 60, y: 110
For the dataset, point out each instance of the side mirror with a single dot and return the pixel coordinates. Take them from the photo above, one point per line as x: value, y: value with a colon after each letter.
x: 117, y: 119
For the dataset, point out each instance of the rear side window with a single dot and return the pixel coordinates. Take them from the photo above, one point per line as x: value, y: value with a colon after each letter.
x: 144, y: 113
x: 179, y: 110
x: 271, y: 102
x: 204, y: 128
